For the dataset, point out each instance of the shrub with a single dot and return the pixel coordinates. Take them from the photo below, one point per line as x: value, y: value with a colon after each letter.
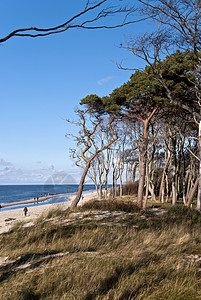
x: 130, y: 188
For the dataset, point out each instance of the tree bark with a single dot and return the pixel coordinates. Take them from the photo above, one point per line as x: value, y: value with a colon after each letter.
x: 113, y: 182
x: 134, y: 170
x: 142, y: 168
x: 100, y: 194
x: 188, y: 186
x: 167, y: 187
x: 174, y: 188
x: 147, y: 186
x: 80, y: 188
x: 121, y: 186
x: 163, y: 177
x: 193, y: 192
x: 199, y: 182
x: 183, y: 177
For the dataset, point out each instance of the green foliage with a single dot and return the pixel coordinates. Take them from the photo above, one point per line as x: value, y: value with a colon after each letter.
x: 178, y: 70
x: 149, y: 88
x: 93, y: 102
x: 139, y: 95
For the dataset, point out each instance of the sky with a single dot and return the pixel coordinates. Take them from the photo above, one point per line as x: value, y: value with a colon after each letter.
x: 43, y: 79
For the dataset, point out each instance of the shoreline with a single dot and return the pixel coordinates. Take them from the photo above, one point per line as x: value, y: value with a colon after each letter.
x: 42, y: 199
x: 8, y: 218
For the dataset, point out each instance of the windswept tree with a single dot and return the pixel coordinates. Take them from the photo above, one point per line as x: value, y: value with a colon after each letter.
x: 137, y: 99
x: 177, y: 74
x: 88, y: 148
x: 149, y: 95
x: 101, y: 164
x: 178, y: 26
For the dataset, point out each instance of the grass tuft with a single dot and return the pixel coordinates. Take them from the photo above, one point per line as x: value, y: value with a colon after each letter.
x: 112, y: 205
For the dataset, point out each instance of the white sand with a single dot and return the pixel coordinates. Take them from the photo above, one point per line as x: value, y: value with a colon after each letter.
x: 10, y: 217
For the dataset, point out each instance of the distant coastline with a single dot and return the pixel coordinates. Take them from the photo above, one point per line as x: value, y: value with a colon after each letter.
x: 17, y: 196
x: 41, y: 199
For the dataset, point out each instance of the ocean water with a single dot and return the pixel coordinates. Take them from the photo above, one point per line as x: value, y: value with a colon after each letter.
x: 15, y: 193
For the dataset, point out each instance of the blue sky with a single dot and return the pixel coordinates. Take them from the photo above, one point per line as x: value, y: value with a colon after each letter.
x: 43, y: 79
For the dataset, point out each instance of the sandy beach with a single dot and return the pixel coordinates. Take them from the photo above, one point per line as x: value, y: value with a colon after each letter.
x: 10, y: 217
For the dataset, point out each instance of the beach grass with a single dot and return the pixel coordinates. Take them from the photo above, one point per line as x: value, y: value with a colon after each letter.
x: 93, y: 253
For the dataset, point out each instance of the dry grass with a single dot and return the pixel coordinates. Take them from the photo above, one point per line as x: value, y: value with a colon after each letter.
x: 143, y: 258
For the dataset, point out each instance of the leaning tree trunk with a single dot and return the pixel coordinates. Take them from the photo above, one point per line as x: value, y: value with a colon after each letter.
x: 80, y: 188
x: 188, y: 186
x: 190, y: 200
x: 142, y: 167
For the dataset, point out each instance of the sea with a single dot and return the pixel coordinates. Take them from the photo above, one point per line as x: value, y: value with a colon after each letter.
x: 15, y: 193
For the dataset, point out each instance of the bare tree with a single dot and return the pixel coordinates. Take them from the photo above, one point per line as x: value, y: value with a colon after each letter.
x: 89, y: 124
x: 100, y: 166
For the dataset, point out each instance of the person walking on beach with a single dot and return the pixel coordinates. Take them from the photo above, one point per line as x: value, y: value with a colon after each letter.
x: 25, y: 210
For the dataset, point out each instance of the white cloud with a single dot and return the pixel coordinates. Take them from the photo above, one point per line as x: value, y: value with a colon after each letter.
x: 5, y: 163
x: 9, y: 174
x: 104, y: 80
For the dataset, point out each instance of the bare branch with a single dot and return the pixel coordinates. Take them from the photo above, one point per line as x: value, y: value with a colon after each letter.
x: 77, y: 22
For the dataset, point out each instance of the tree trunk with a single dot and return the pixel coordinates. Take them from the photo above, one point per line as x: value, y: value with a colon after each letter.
x: 80, y: 188
x: 167, y: 187
x: 199, y: 182
x: 193, y: 192
x: 113, y: 183
x: 100, y: 193
x: 97, y: 190
x: 188, y: 186
x: 147, y: 186
x: 162, y: 195
x: 121, y: 186
x: 151, y: 181
x: 127, y: 172
x: 183, y: 178
x: 142, y: 168
x: 134, y: 170
x: 163, y: 177
x: 174, y: 188
x: 106, y: 187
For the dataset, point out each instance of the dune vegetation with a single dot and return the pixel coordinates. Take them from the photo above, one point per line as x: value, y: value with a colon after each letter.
x: 104, y: 250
